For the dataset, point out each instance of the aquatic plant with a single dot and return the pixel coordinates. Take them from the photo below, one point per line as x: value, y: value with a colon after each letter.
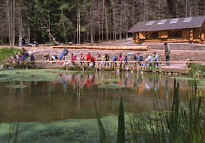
x: 14, y: 132
x: 28, y: 75
x: 110, y: 86
x: 180, y: 124
x: 121, y: 123
x: 196, y: 70
x: 102, y: 131
x: 121, y: 126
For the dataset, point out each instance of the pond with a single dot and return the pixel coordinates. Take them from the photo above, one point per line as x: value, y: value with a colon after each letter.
x: 54, y: 95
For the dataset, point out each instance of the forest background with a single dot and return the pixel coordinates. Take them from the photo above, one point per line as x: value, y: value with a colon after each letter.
x: 80, y: 21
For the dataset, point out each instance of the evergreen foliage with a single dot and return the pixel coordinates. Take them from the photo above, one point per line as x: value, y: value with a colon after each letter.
x: 87, y: 20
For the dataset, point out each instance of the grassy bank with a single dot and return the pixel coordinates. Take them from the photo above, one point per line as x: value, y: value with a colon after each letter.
x: 5, y: 53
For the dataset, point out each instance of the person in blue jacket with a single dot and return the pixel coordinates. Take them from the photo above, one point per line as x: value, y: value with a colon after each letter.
x: 63, y: 54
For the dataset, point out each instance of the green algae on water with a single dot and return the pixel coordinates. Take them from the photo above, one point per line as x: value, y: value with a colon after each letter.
x: 75, y: 130
x: 17, y: 86
x: 110, y: 86
x: 29, y: 75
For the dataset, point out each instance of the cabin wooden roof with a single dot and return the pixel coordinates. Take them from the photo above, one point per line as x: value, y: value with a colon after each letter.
x: 168, y: 24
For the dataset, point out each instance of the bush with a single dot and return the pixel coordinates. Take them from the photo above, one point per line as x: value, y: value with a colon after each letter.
x: 5, y: 53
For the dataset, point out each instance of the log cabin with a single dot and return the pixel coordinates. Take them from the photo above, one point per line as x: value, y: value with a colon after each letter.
x: 176, y: 30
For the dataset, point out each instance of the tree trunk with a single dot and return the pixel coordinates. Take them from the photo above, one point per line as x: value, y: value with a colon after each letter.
x: 11, y: 11
x: 20, y: 30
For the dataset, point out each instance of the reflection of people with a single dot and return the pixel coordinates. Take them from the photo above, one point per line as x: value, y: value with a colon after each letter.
x: 63, y: 81
x: 166, y: 87
x: 88, y: 82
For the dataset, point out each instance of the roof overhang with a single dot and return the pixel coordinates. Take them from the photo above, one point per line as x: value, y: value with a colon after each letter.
x: 168, y: 24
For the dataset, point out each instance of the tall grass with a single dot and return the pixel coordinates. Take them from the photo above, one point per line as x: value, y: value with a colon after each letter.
x: 14, y: 132
x: 102, y: 131
x: 121, y: 126
x: 121, y: 123
x: 184, y: 123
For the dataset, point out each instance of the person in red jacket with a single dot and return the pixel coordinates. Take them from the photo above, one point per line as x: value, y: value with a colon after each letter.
x: 88, y: 58
x: 93, y: 61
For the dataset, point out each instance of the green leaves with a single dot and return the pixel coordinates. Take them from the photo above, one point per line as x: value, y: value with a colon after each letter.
x: 121, y: 123
x: 6, y: 53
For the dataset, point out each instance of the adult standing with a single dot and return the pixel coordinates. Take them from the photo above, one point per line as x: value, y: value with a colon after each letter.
x: 88, y: 58
x: 167, y: 53
x: 63, y: 54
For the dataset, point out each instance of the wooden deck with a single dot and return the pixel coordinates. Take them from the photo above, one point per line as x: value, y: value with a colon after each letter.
x: 174, y: 67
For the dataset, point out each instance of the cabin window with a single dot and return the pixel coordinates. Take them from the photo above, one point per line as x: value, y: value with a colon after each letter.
x: 154, y: 35
x: 197, y: 34
x: 175, y: 34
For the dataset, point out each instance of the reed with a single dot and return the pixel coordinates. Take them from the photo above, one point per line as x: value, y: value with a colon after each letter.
x: 102, y: 131
x: 14, y: 132
x: 121, y: 123
x: 121, y: 126
x: 183, y: 123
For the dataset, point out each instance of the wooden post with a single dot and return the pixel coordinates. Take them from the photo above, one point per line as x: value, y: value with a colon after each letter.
x: 185, y: 36
x: 202, y: 36
x: 191, y: 35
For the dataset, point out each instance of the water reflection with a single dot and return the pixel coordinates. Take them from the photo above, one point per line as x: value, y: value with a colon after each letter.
x: 75, y: 95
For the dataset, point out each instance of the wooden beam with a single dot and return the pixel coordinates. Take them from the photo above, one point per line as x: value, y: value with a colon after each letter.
x: 191, y: 35
x: 202, y: 36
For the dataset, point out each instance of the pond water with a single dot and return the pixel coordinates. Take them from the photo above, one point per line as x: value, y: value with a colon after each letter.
x: 77, y: 95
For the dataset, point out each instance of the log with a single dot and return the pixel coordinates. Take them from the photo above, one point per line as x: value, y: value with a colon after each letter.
x: 133, y: 48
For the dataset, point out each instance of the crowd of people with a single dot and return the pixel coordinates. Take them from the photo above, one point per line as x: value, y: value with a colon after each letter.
x: 21, y: 57
x: 98, y: 60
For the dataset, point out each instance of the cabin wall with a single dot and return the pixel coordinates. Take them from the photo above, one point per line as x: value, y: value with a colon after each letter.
x: 203, y: 33
x: 185, y: 35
